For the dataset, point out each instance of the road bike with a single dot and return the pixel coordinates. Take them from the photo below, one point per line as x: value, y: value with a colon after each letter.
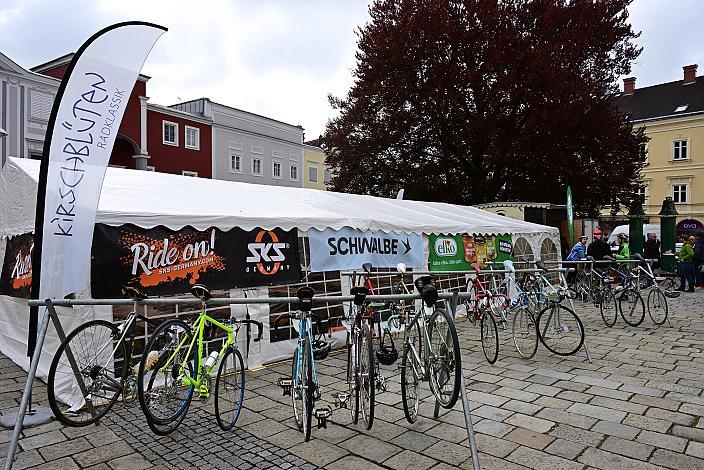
x: 485, y: 306
x: 630, y: 302
x: 302, y: 386
x: 96, y: 360
x: 431, y: 352
x: 173, y: 369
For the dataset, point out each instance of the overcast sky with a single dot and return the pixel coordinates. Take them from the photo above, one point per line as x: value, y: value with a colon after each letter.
x: 281, y: 58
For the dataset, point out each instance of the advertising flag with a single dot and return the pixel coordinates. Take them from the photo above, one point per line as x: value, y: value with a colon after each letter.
x: 82, y: 129
x: 570, y: 215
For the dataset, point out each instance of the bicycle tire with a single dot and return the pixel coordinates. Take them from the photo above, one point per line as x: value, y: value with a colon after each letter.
x: 74, y: 343
x: 296, y: 390
x: 366, y: 372
x: 634, y: 312
x: 489, y: 336
x: 307, y: 389
x: 525, y: 328
x: 472, y: 302
x: 410, y: 382
x: 354, y: 376
x: 567, y: 322
x: 657, y: 300
x: 608, y: 307
x: 581, y: 286
x: 450, y: 357
x: 164, y: 343
x: 227, y: 379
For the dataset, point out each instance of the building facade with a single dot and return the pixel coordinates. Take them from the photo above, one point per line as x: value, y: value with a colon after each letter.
x: 26, y: 99
x: 673, y: 117
x: 251, y: 148
x: 316, y: 173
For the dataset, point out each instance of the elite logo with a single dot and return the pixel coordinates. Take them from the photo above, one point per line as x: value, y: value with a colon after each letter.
x: 267, y: 252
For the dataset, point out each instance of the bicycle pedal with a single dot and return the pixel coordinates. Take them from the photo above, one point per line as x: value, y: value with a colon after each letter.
x: 380, y: 383
x: 341, y: 399
x: 286, y: 385
x: 322, y: 415
x: 316, y: 393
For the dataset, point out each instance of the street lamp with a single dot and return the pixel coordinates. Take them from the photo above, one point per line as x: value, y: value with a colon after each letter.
x: 636, y: 216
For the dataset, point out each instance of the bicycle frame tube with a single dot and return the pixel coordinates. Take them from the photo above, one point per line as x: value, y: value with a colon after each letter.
x: 127, y: 326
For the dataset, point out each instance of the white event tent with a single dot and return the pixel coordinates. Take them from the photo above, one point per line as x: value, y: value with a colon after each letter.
x: 149, y: 199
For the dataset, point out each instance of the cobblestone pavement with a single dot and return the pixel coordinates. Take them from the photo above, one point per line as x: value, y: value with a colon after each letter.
x: 639, y: 405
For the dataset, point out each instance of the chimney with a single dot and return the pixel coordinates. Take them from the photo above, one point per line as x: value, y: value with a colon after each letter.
x: 629, y: 85
x: 690, y: 74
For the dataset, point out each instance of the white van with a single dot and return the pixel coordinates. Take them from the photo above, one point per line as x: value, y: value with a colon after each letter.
x: 647, y: 228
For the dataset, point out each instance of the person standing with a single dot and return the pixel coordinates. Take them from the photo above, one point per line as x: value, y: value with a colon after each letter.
x: 687, y: 265
x: 578, y: 250
x: 651, y: 249
x: 598, y: 248
x: 624, y: 252
x: 699, y: 260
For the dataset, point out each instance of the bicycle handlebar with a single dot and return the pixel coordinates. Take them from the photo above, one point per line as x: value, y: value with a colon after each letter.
x: 316, y: 317
x: 259, y: 325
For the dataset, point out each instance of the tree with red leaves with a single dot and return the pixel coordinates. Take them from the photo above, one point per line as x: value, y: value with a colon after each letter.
x: 482, y: 100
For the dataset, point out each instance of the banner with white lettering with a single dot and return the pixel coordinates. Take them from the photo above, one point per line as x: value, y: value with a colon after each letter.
x: 160, y: 261
x: 81, y: 132
x: 334, y: 250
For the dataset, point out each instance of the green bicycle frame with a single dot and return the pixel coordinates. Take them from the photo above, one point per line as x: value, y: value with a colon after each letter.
x: 199, y: 327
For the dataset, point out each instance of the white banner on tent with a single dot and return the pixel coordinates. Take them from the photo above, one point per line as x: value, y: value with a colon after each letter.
x: 86, y: 124
x: 334, y: 250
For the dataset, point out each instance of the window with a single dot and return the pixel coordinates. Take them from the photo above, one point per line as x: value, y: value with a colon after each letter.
x: 641, y: 193
x: 151, y: 168
x: 170, y: 133
x: 681, y: 108
x: 328, y: 175
x: 189, y: 173
x: 294, y: 173
x: 235, y: 163
x: 256, y: 166
x: 644, y: 152
x: 679, y: 193
x: 192, y: 138
x: 40, y: 105
x: 680, y: 150
x: 313, y: 174
x: 276, y: 170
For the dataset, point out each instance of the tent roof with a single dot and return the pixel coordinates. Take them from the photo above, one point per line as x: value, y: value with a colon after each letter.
x: 149, y: 199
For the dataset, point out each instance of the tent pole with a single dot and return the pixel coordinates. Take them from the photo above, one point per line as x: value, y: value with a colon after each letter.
x: 41, y: 334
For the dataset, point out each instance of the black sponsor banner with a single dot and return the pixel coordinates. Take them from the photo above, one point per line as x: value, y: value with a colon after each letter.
x: 160, y: 261
x: 16, y: 276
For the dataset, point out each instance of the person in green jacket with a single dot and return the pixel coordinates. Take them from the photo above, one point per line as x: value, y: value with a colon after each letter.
x: 686, y: 256
x: 624, y: 251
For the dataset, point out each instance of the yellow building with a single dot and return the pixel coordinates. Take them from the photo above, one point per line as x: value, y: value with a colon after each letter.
x: 673, y: 117
x: 315, y: 173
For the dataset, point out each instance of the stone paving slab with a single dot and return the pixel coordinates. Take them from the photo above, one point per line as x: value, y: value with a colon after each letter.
x: 638, y: 405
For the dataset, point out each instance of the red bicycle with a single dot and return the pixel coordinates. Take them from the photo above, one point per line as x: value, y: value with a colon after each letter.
x: 484, y: 306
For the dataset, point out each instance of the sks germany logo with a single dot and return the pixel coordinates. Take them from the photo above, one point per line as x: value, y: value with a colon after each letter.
x: 267, y: 255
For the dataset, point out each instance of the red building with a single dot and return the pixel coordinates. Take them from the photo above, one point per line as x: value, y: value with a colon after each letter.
x: 153, y: 137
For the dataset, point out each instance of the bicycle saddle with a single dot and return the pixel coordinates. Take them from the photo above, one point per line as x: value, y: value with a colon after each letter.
x: 133, y: 293
x: 508, y: 265
x: 202, y: 292
x: 540, y: 264
x: 637, y: 256
x: 305, y: 295
x: 476, y: 267
x: 360, y: 293
x: 367, y: 267
x: 609, y: 258
x: 589, y: 258
x: 426, y: 288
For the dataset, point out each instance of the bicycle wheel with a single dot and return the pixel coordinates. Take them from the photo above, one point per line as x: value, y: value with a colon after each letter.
x: 410, y: 380
x: 631, y: 306
x: 353, y: 361
x: 306, y: 375
x: 608, y: 307
x: 525, y: 333
x: 581, y: 286
x: 657, y: 306
x: 297, y: 390
x: 560, y: 330
x: 490, y: 337
x: 103, y: 366
x: 472, y: 303
x: 229, y: 389
x: 166, y: 398
x: 444, y: 358
x: 367, y: 378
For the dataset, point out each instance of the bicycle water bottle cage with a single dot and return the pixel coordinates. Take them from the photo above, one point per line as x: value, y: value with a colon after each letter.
x: 367, y: 268
x: 202, y: 292
x: 133, y: 293
x: 476, y: 267
x: 540, y: 264
x: 426, y: 288
x: 360, y: 293
x: 305, y: 296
